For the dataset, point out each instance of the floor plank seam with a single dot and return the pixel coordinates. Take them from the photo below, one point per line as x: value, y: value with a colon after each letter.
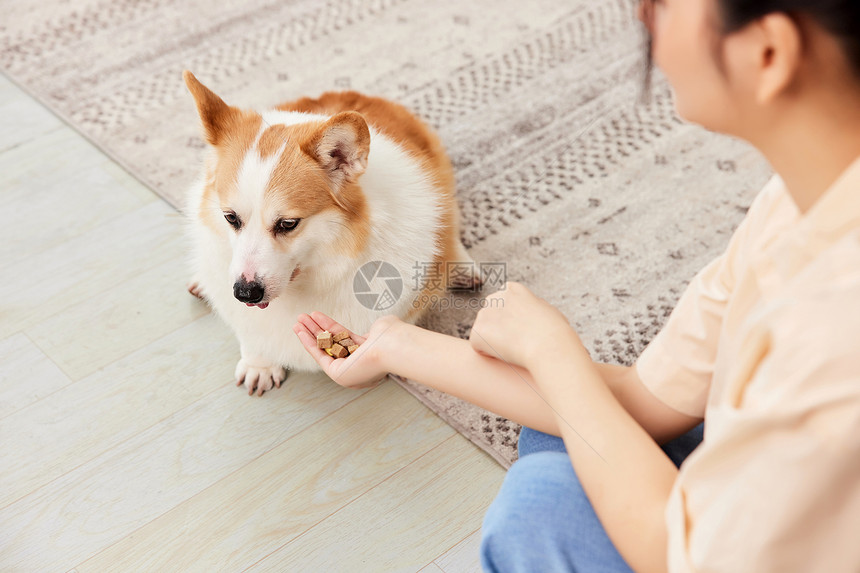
x: 32, y: 139
x: 81, y: 379
x: 112, y: 446
x: 347, y: 504
x: 222, y: 478
x: 131, y: 350
x: 455, y: 545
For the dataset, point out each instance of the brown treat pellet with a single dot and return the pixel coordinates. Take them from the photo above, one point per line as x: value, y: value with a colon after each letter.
x: 340, y: 336
x: 338, y: 345
x: 324, y: 339
x: 339, y: 351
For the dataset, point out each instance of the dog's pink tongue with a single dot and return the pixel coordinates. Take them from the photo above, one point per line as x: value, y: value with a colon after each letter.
x: 259, y: 304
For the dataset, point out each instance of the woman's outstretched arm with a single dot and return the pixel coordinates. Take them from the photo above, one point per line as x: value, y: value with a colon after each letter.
x: 449, y: 364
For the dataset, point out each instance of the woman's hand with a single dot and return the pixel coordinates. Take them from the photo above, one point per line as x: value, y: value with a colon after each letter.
x: 364, y: 368
x: 519, y: 327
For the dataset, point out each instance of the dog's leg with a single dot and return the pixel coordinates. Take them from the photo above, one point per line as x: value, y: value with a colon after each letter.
x: 258, y: 373
x: 465, y: 281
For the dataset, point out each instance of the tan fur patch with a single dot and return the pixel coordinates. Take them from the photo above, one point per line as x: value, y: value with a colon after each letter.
x: 272, y: 140
x: 221, y: 176
x: 299, y: 186
x: 231, y: 131
x: 232, y: 151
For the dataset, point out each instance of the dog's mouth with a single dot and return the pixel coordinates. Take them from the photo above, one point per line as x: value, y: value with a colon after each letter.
x: 257, y: 304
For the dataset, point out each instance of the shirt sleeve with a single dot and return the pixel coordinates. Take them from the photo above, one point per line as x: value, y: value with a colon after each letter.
x: 780, y: 492
x: 678, y: 364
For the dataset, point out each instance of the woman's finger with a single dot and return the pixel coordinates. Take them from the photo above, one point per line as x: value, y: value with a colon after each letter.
x: 309, y: 341
x: 310, y: 323
x: 332, y: 326
x: 314, y: 327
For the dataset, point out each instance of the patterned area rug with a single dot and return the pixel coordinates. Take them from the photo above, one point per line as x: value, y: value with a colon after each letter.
x: 603, y: 206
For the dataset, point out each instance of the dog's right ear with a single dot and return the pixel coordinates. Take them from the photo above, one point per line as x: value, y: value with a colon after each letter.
x: 214, y: 113
x: 341, y: 146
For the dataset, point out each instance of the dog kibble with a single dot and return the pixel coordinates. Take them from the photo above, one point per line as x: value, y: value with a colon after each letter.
x: 324, y: 339
x: 342, y: 335
x: 338, y: 345
x: 339, y: 351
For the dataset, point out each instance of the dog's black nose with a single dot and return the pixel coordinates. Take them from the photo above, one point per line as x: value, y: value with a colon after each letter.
x: 248, y: 292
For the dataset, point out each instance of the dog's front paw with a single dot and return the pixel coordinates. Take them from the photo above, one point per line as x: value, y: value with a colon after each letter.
x: 195, y: 289
x: 261, y: 378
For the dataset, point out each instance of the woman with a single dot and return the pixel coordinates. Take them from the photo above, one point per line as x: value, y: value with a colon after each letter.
x: 764, y: 344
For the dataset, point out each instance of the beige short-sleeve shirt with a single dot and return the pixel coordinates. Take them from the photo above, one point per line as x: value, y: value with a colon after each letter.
x: 765, y: 346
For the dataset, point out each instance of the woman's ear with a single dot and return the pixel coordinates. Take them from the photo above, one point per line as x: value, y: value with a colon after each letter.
x: 780, y: 54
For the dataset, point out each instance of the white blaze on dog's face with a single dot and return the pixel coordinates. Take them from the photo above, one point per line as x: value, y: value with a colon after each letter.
x: 285, y: 196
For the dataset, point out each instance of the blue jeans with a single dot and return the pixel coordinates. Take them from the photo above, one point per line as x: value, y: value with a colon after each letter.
x: 542, y: 521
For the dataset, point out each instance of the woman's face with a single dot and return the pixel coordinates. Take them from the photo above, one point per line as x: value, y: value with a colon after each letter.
x: 685, y: 36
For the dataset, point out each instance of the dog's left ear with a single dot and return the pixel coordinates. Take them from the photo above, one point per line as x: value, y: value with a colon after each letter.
x: 341, y: 147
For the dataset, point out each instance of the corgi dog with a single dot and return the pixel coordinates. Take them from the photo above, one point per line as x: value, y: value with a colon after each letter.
x: 293, y: 201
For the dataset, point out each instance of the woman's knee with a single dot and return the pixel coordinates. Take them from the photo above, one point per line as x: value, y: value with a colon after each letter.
x: 532, y: 441
x: 542, y: 520
x: 527, y: 523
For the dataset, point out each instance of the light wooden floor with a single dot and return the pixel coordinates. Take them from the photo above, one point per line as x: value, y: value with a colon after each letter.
x: 124, y: 445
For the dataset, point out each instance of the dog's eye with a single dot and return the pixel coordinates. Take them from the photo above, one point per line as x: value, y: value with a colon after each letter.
x: 286, y: 225
x: 232, y: 219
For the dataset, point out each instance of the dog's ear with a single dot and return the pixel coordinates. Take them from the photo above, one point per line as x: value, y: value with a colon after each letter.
x: 341, y: 146
x: 214, y: 113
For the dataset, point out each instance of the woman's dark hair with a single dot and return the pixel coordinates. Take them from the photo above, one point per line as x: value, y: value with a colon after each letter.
x: 841, y: 18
